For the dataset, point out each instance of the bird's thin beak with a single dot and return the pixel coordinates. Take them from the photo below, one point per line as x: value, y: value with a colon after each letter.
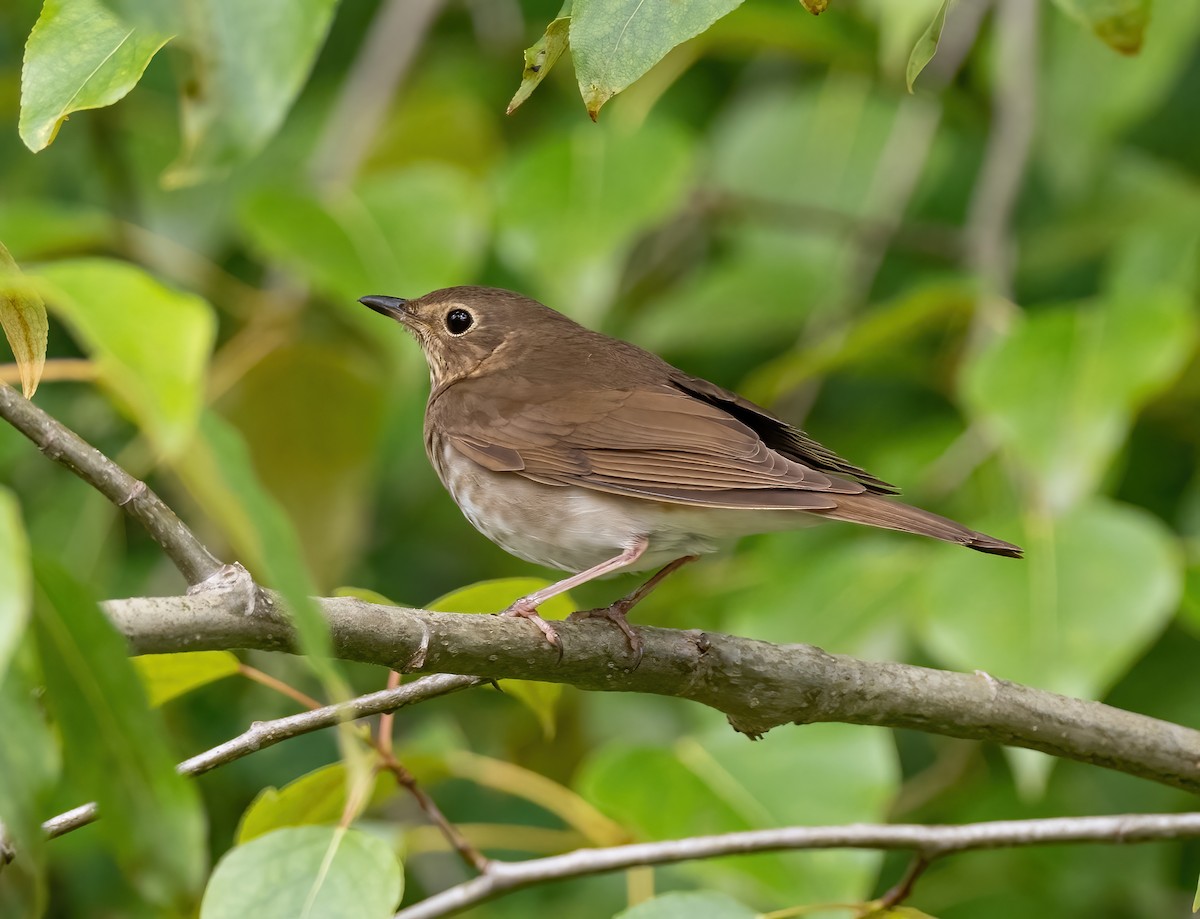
x: 388, y: 306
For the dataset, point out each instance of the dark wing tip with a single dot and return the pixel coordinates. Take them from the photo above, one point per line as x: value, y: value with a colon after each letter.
x: 981, y: 542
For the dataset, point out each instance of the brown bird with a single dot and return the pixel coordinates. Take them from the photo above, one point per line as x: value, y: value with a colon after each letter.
x: 585, y: 453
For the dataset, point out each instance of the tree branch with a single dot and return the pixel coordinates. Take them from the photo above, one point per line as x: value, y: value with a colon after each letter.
x: 268, y: 733
x: 132, y: 495
x: 756, y: 684
x: 930, y: 841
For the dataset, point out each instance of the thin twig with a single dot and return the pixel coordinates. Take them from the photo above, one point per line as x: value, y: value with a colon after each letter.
x: 900, y: 892
x: 286, y: 689
x: 934, y: 841
x: 268, y: 733
x: 56, y: 370
x: 133, y: 496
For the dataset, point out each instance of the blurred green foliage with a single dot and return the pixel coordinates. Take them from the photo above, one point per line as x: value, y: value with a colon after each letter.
x: 765, y: 205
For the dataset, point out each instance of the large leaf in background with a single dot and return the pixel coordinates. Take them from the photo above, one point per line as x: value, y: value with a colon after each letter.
x: 572, y: 206
x: 249, y: 62
x: 318, y: 797
x: 29, y: 766
x: 1060, y: 391
x: 401, y: 233
x: 1096, y: 588
x: 311, y: 415
x: 721, y: 782
x: 79, y: 56
x: 1120, y: 24
x: 1091, y: 96
x: 15, y: 582
x: 307, y: 872
x: 23, y: 316
x: 150, y: 343
x: 115, y: 747
x: 613, y: 42
x: 797, y: 159
x: 496, y: 595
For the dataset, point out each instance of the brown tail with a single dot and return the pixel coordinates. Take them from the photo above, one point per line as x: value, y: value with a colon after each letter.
x: 877, y: 511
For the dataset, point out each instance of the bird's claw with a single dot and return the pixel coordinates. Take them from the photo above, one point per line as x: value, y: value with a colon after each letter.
x: 616, y: 615
x: 521, y: 610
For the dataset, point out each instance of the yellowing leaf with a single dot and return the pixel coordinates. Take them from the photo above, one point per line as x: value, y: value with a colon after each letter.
x: 1120, y: 24
x: 23, y: 316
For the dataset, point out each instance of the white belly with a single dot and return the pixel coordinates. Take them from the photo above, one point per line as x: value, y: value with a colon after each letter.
x: 574, y: 528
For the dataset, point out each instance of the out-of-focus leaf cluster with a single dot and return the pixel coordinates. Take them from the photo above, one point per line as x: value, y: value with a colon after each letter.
x: 743, y: 209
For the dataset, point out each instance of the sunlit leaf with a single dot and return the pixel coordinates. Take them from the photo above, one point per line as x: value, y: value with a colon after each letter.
x: 496, y: 595
x: 316, y: 798
x: 249, y: 62
x: 1096, y: 588
x: 926, y: 46
x: 150, y: 343
x: 542, y: 55
x: 304, y: 873
x: 613, y: 42
x: 79, y: 56
x: 165, y: 676
x: 690, y: 905
x: 115, y: 747
x: 1120, y: 24
x: 719, y: 782
x: 1059, y: 392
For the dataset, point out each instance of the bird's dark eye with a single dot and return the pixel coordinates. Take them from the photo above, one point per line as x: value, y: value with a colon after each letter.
x: 458, y: 321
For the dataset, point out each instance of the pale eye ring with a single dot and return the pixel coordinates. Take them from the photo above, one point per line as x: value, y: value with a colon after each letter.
x: 458, y: 321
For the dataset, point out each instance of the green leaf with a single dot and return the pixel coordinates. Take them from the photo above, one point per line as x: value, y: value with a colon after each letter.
x: 306, y: 872
x: 926, y: 46
x: 249, y: 62
x: 542, y: 55
x: 150, y: 343
x: 1096, y: 589
x: 316, y: 798
x: 29, y: 765
x: 16, y: 586
x: 115, y: 747
x: 23, y: 316
x: 1120, y: 24
x: 165, y: 676
x: 1060, y: 391
x: 613, y: 42
x: 496, y: 595
x: 572, y: 207
x: 79, y: 56
x: 311, y: 415
x: 403, y: 232
x: 690, y: 905
x: 717, y: 781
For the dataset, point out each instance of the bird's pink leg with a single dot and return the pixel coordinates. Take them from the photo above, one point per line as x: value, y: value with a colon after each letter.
x: 617, y: 612
x: 527, y: 607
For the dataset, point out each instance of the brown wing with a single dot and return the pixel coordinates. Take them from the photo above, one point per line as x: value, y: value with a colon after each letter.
x: 658, y: 442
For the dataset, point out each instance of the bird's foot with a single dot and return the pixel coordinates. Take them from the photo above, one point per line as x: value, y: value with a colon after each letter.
x: 616, y: 615
x: 523, y: 609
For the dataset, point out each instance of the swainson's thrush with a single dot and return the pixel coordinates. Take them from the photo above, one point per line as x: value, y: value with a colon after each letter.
x: 571, y: 449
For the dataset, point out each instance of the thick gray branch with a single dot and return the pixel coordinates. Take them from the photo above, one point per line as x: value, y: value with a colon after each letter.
x: 132, y: 495
x: 757, y: 685
x: 930, y: 841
